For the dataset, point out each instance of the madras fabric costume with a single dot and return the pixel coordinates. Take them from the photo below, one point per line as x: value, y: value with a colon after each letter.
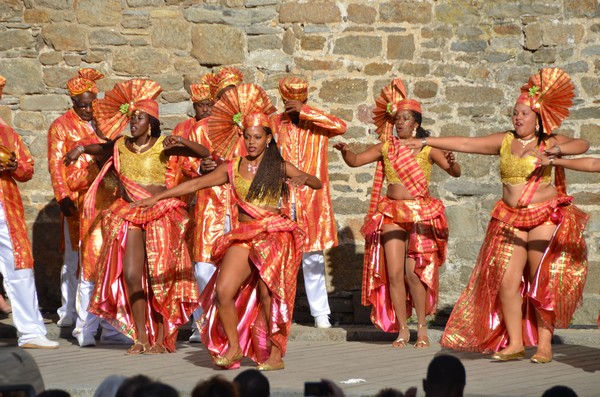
x: 556, y: 290
x: 16, y: 258
x: 275, y: 244
x: 63, y: 135
x: 169, y: 283
x: 305, y: 145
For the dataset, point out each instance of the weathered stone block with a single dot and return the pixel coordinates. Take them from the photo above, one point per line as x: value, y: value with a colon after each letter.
x: 545, y: 55
x: 533, y: 36
x: 72, y: 59
x: 98, y: 13
x: 563, y: 34
x: 345, y: 114
x: 171, y: 33
x: 208, y: 42
x: 317, y: 12
x: 317, y: 64
x: 507, y: 29
x: 23, y: 76
x: 30, y: 121
x: 266, y: 42
x: 377, y: 69
x: 259, y: 3
x: 401, y: 47
x: 359, y: 46
x: 345, y: 277
x: 134, y: 19
x: 457, y: 13
x: 50, y: 58
x: 474, y: 94
x: 104, y: 37
x: 312, y: 42
x: 215, y: 14
x: 425, y: 89
x: 405, y: 11
x: 469, y: 46
x: 55, y: 4
x: 344, y: 90
x: 144, y: 3
x: 10, y: 10
x: 580, y: 8
x: 45, y: 102
x: 15, y: 38
x: 65, y: 37
x: 35, y: 16
x: 58, y: 76
x: 141, y: 61
x: 414, y: 69
x: 362, y: 14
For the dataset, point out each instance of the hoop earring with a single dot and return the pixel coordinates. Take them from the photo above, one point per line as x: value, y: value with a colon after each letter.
x: 414, y: 133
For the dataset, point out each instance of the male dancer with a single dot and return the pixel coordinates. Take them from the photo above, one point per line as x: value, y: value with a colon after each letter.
x: 302, y: 133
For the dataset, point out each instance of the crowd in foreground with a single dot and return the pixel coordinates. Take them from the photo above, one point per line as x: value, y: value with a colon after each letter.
x: 255, y: 183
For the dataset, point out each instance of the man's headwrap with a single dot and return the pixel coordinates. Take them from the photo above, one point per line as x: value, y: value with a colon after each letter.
x: 228, y: 76
x: 293, y: 88
x: 205, y: 89
x: 114, y: 110
x: 549, y: 93
x: 2, y: 84
x: 244, y: 106
x: 384, y: 112
x: 86, y: 81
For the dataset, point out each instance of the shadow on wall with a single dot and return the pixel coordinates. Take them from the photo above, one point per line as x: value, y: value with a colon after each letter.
x: 47, y: 255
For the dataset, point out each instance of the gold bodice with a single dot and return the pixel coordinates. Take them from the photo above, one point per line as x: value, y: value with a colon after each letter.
x: 147, y: 168
x: 422, y: 159
x: 516, y: 170
x: 242, y: 186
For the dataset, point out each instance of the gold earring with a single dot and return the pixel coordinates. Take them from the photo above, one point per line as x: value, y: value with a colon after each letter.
x: 537, y: 127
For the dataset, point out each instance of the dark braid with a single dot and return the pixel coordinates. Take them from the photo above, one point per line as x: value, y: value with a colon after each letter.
x: 421, y: 132
x: 270, y: 177
x: 154, y: 126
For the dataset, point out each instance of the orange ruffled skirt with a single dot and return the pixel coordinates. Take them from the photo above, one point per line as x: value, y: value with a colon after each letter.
x: 555, y: 292
x: 427, y: 245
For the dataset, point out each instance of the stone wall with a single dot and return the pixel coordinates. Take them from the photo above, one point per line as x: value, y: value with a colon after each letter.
x: 463, y: 59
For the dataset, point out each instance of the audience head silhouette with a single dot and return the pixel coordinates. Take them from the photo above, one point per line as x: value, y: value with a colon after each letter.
x: 252, y: 383
x: 445, y: 377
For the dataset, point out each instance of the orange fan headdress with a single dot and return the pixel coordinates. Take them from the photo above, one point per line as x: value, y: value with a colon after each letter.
x: 293, y: 88
x: 385, y: 111
x: 228, y: 76
x: 84, y: 82
x: 2, y: 84
x: 231, y: 113
x: 550, y: 94
x: 114, y: 110
x: 205, y: 89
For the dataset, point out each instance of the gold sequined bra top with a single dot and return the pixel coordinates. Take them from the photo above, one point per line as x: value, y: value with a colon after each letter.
x: 516, y: 170
x: 422, y: 159
x: 147, y: 168
x: 242, y: 186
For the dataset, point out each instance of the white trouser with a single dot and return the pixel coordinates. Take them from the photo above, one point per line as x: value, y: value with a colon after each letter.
x: 203, y: 271
x: 20, y: 287
x: 68, y: 278
x: 313, y: 268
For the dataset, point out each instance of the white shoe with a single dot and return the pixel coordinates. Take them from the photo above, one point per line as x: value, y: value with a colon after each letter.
x: 40, y: 342
x: 322, y: 321
x: 115, y: 339
x: 86, y: 340
x: 195, y: 337
x: 65, y: 321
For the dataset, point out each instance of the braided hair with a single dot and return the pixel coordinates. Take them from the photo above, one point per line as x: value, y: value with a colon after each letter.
x: 270, y: 179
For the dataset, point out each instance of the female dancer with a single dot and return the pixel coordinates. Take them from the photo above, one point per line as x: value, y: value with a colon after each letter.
x: 407, y: 222
x: 145, y: 279
x: 248, y: 303
x: 534, y: 255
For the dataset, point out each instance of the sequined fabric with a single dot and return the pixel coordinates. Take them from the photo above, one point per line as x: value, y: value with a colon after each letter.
x: 275, y: 244
x: 422, y: 159
x: 476, y: 322
x: 515, y: 170
x: 11, y: 198
x: 306, y: 146
x: 146, y: 168
x: 242, y: 187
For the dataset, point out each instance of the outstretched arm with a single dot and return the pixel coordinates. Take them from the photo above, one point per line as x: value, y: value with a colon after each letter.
x: 446, y: 161
x: 585, y: 164
x: 371, y: 154
x: 95, y: 149
x: 215, y: 178
x: 489, y: 144
x: 300, y: 178
x: 179, y: 146
x: 561, y: 145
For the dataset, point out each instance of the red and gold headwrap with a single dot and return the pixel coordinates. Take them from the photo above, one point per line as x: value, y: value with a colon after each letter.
x: 293, y: 88
x: 245, y: 104
x: 549, y: 93
x: 86, y: 81
x: 204, y: 89
x: 257, y: 120
x: 228, y: 76
x: 406, y: 103
x: 114, y: 110
x: 2, y: 84
x: 384, y: 113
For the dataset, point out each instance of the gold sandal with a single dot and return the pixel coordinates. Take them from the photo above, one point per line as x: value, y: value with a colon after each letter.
x: 422, y: 341
x: 138, y: 348
x: 157, y: 348
x: 401, y: 342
